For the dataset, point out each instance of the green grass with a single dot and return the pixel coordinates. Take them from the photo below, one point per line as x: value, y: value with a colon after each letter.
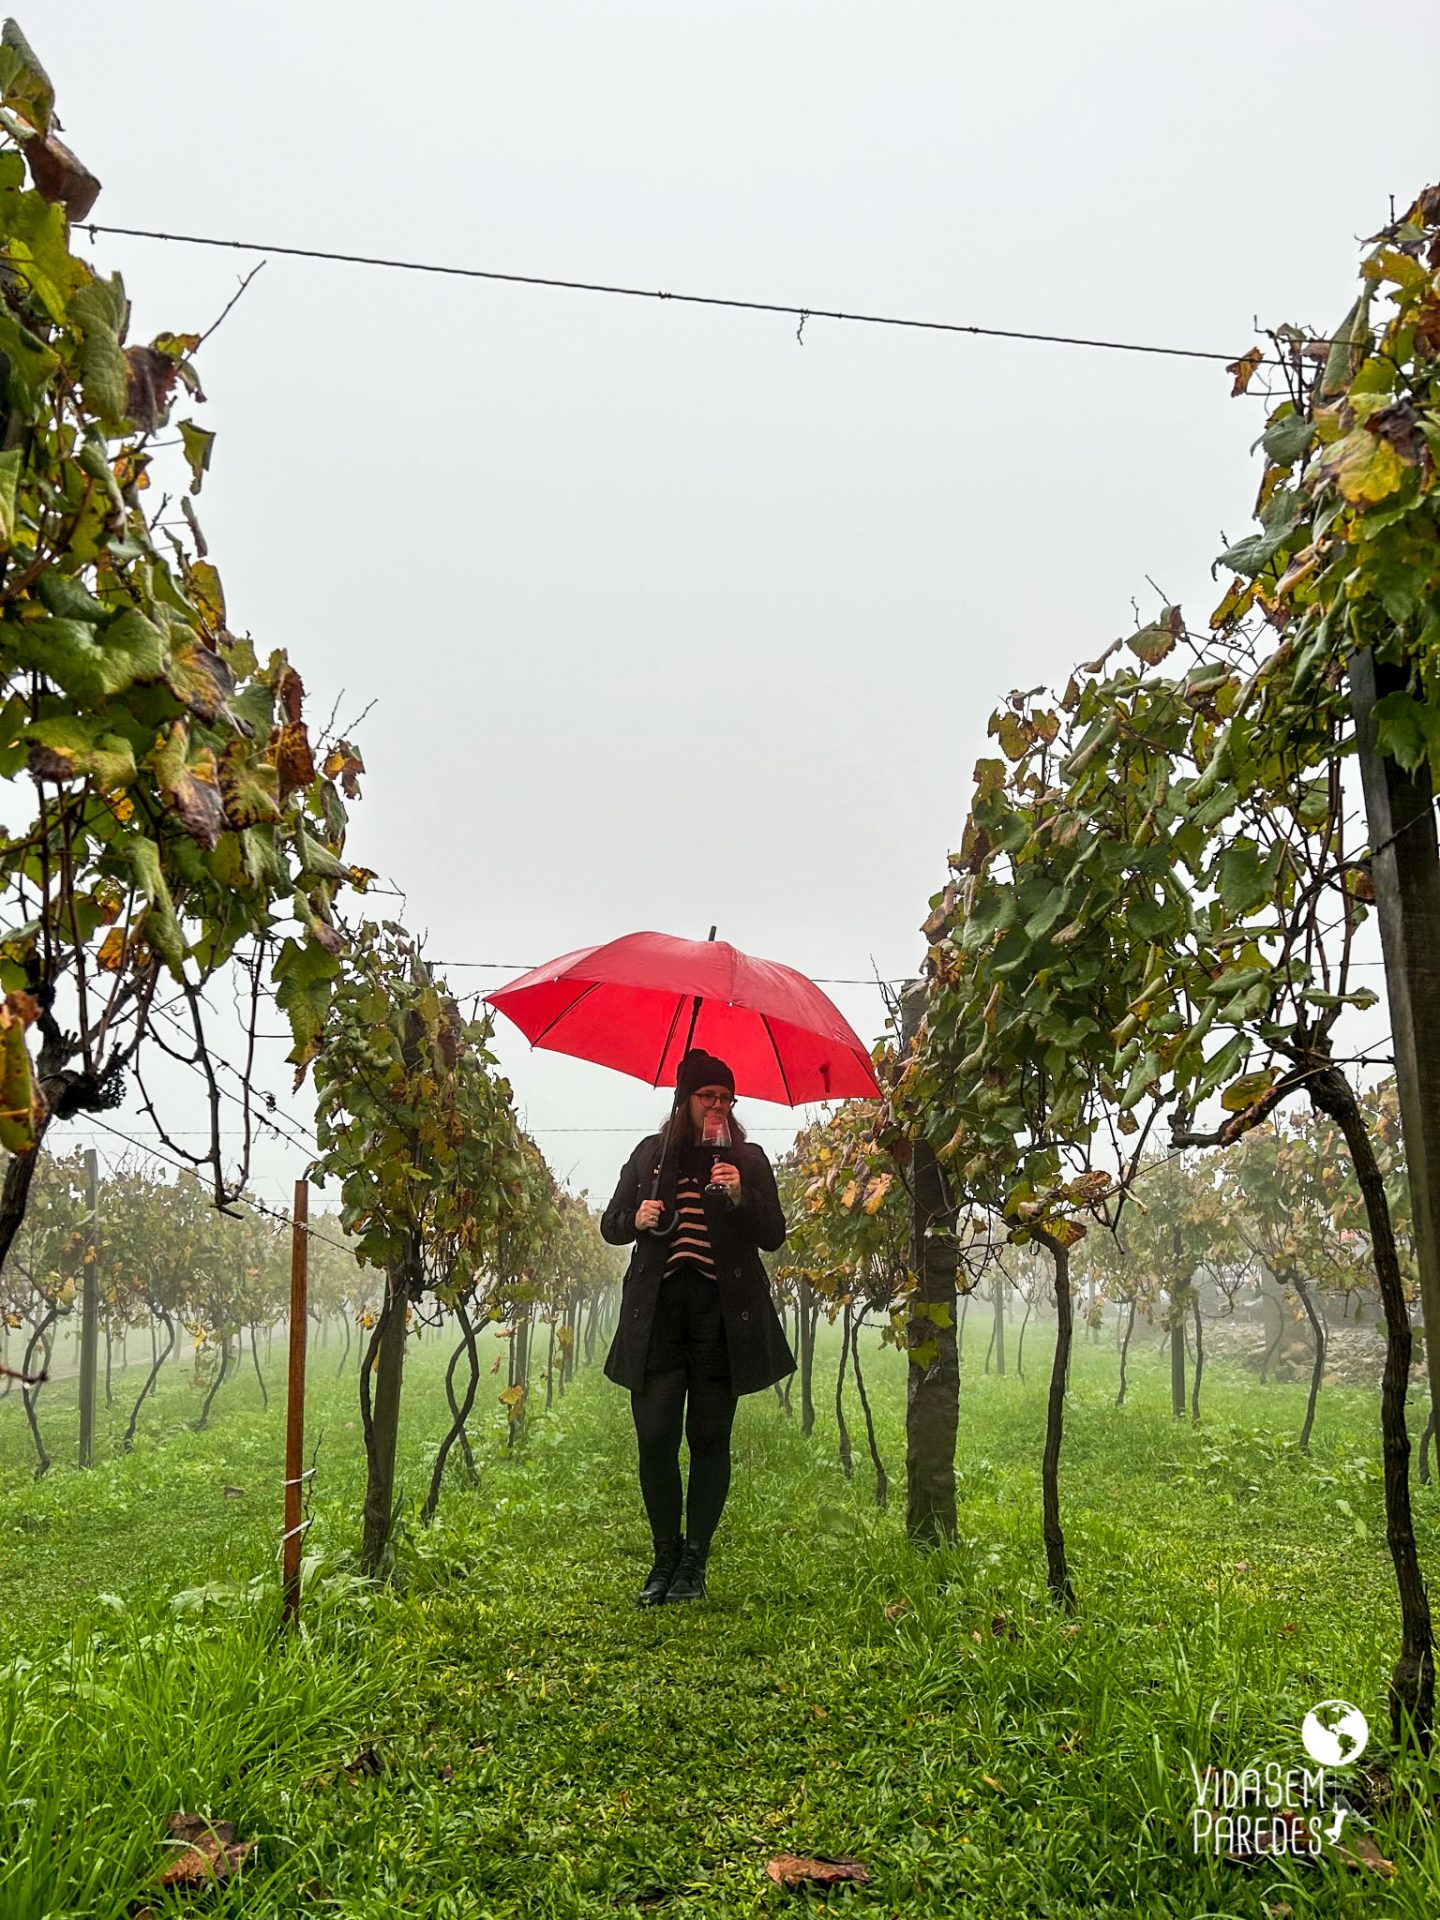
x: 544, y: 1748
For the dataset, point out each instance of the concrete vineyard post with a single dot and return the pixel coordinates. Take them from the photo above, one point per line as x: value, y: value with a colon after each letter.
x: 295, y: 1400
x: 89, y: 1313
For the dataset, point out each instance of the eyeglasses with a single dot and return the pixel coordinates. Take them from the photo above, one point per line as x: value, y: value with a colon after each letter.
x: 712, y: 1099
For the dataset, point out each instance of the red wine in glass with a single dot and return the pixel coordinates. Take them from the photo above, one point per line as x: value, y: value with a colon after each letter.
x: 717, y: 1137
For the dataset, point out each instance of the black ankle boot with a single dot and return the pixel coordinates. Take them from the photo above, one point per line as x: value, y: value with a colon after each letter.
x: 689, y: 1581
x: 667, y: 1558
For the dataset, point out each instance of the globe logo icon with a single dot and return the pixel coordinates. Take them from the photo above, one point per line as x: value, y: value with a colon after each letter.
x: 1335, y: 1733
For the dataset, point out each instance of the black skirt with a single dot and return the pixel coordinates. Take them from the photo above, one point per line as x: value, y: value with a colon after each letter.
x: 689, y: 1326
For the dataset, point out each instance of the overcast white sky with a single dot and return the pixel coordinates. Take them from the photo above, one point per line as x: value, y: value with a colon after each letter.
x: 667, y: 618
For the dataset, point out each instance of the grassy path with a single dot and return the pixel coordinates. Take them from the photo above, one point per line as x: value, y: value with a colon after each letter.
x: 530, y: 1743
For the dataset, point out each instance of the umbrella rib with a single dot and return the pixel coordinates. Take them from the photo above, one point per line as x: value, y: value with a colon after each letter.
x: 568, y: 1008
x: 784, y: 1077
x: 665, y: 1044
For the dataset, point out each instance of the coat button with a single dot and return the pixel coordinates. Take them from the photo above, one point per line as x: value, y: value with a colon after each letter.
x: 635, y: 1313
x: 739, y: 1273
x: 744, y: 1315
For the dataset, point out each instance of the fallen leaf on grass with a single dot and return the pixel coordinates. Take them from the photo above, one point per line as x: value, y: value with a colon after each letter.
x: 447, y: 1774
x: 1000, y: 1625
x: 894, y: 1611
x: 794, y: 1870
x: 1363, y: 1853
x: 211, y: 1851
x: 366, y: 1761
x: 233, y: 1493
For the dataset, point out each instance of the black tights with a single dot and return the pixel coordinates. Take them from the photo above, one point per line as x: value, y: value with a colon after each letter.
x: 660, y: 1413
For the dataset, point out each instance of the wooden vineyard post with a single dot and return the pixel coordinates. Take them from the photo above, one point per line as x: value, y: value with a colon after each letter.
x: 1405, y: 869
x: 295, y: 1401
x: 89, y: 1314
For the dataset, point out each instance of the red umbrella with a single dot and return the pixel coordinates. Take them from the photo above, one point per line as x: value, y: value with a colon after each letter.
x: 638, y: 1003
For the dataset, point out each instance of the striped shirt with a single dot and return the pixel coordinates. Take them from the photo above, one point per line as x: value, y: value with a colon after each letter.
x: 691, y: 1238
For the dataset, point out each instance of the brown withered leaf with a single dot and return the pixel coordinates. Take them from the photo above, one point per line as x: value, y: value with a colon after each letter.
x: 195, y: 800
x: 191, y: 786
x: 294, y: 762
x: 448, y: 1040
x: 60, y: 176
x: 150, y: 378
x: 937, y: 921
x: 367, y: 1761
x: 343, y: 763
x: 1400, y: 425
x: 325, y: 935
x: 1360, y: 1851
x: 44, y: 763
x: 798, y: 1870
x: 291, y: 691
x: 211, y: 1851
x: 1243, y: 370
x: 198, y: 677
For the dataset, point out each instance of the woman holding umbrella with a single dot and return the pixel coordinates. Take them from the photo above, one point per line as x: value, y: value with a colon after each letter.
x: 696, y: 1322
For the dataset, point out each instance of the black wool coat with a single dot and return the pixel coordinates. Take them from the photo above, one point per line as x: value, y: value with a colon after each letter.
x: 759, y: 1352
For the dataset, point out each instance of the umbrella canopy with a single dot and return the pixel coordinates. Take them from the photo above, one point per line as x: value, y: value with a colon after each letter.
x: 631, y: 1004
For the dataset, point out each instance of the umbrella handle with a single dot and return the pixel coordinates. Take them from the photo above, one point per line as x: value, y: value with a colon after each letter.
x: 660, y: 1231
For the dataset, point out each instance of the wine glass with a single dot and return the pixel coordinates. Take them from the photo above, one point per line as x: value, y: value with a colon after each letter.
x: 716, y: 1135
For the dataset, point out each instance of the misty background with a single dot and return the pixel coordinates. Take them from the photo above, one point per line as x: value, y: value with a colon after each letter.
x: 663, y: 617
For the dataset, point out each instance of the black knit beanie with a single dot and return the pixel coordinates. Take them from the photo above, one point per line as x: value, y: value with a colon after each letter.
x: 699, y: 1069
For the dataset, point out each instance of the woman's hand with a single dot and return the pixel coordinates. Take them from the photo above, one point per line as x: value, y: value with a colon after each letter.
x: 722, y: 1174
x: 648, y: 1212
